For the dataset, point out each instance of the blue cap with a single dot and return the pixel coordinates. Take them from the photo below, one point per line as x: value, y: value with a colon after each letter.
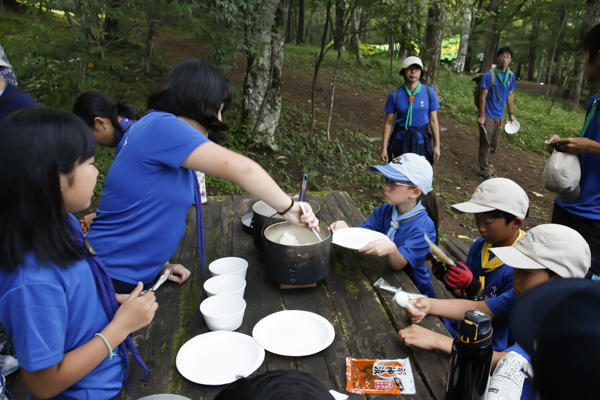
x: 408, y: 167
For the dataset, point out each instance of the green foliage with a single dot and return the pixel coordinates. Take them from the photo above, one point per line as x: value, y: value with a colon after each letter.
x: 531, y: 110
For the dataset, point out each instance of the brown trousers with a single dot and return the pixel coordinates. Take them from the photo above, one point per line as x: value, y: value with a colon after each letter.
x: 488, y: 144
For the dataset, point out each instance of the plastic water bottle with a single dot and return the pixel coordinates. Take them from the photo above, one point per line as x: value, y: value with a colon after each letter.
x: 471, y: 358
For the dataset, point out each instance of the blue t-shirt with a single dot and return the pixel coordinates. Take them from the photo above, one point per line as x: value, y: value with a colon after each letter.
x: 12, y: 98
x: 120, y: 134
x: 49, y: 311
x: 142, y: 212
x: 410, y: 241
x: 500, y: 306
x: 494, y: 108
x: 588, y: 204
x: 497, y: 282
x: 422, y: 105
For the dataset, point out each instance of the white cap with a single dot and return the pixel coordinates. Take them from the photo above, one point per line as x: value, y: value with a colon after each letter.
x: 562, y: 175
x: 496, y: 194
x: 408, y: 61
x: 408, y: 167
x: 4, y: 63
x: 556, y: 247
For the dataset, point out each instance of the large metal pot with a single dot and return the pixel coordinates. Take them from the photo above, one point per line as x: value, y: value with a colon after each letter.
x: 300, y: 264
x: 264, y: 215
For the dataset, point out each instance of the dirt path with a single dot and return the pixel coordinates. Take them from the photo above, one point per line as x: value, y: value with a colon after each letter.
x: 362, y: 110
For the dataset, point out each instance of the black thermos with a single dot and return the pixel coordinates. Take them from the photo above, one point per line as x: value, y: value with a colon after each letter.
x: 471, y: 358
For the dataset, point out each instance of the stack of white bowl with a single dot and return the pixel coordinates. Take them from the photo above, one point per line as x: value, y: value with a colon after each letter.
x: 224, y: 308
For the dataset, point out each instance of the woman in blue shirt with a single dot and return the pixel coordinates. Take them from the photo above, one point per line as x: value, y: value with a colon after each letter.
x: 142, y: 212
x: 413, y: 107
x: 56, y: 301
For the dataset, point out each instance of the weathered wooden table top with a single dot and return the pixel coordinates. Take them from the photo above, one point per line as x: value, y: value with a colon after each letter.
x: 366, y: 320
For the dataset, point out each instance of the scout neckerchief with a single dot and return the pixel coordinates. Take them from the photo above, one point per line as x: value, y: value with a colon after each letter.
x: 199, y: 227
x: 395, y: 222
x: 411, y: 100
x: 506, y: 77
x: 106, y: 293
x: 589, y: 117
x: 490, y: 265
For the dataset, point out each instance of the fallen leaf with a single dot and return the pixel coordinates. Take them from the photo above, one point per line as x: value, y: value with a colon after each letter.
x: 463, y: 237
x: 537, y: 194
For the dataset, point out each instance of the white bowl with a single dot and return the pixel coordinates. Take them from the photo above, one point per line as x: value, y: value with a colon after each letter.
x: 225, y: 284
x: 229, y: 266
x: 223, y: 312
x: 512, y: 127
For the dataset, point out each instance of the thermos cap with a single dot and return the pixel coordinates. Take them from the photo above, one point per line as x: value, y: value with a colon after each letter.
x: 476, y: 327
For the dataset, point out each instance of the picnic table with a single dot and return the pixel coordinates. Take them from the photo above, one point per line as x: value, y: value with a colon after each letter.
x: 366, y: 320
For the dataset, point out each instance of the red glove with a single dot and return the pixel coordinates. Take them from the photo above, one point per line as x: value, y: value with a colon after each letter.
x: 438, y: 269
x: 460, y: 277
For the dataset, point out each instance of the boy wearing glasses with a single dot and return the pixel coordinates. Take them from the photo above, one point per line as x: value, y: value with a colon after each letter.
x: 408, y: 214
x: 495, y: 93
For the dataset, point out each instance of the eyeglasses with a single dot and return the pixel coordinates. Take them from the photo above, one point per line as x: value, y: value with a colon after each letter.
x: 389, y: 182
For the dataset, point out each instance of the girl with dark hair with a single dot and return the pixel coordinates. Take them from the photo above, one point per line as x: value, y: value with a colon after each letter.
x: 409, y: 213
x: 142, y: 213
x: 56, y: 299
x: 109, y: 120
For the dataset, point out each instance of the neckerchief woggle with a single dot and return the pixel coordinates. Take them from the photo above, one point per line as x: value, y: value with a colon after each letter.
x: 489, y: 266
x: 396, y: 219
x: 497, y: 72
x: 589, y: 117
x: 411, y: 100
x: 199, y: 225
x: 106, y: 292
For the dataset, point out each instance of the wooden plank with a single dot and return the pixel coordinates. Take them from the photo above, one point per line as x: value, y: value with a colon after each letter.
x: 431, y: 365
x: 456, y: 248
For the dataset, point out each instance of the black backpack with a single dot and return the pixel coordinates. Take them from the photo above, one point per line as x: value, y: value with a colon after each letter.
x: 477, y: 89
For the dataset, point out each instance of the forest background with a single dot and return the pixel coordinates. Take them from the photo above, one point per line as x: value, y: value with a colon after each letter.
x: 311, y: 77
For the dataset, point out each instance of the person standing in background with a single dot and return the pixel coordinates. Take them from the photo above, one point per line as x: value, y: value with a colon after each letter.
x: 497, y: 87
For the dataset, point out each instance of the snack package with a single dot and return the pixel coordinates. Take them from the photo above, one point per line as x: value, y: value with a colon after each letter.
x: 379, y: 376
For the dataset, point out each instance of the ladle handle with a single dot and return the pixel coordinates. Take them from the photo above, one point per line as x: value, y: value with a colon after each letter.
x: 302, y: 194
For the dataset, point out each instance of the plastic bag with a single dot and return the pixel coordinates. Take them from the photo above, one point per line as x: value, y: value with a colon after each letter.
x: 400, y: 296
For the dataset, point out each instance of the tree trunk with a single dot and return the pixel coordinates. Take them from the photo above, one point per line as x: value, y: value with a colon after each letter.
x: 589, y: 16
x: 436, y: 15
x: 489, y: 54
x: 318, y: 66
x: 364, y: 26
x: 262, y: 86
x: 337, y: 65
x: 359, y: 59
x: 562, y: 19
x: 111, y: 25
x: 535, y: 26
x: 338, y: 34
x: 149, y: 51
x: 300, y: 34
x: 459, y: 66
x: 288, y: 26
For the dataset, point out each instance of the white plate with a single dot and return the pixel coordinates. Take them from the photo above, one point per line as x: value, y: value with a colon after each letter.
x: 512, y: 127
x: 294, y: 333
x: 219, y: 358
x: 356, y: 238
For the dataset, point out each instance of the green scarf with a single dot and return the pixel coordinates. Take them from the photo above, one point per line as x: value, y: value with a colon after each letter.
x: 497, y: 72
x: 589, y: 117
x: 411, y: 100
